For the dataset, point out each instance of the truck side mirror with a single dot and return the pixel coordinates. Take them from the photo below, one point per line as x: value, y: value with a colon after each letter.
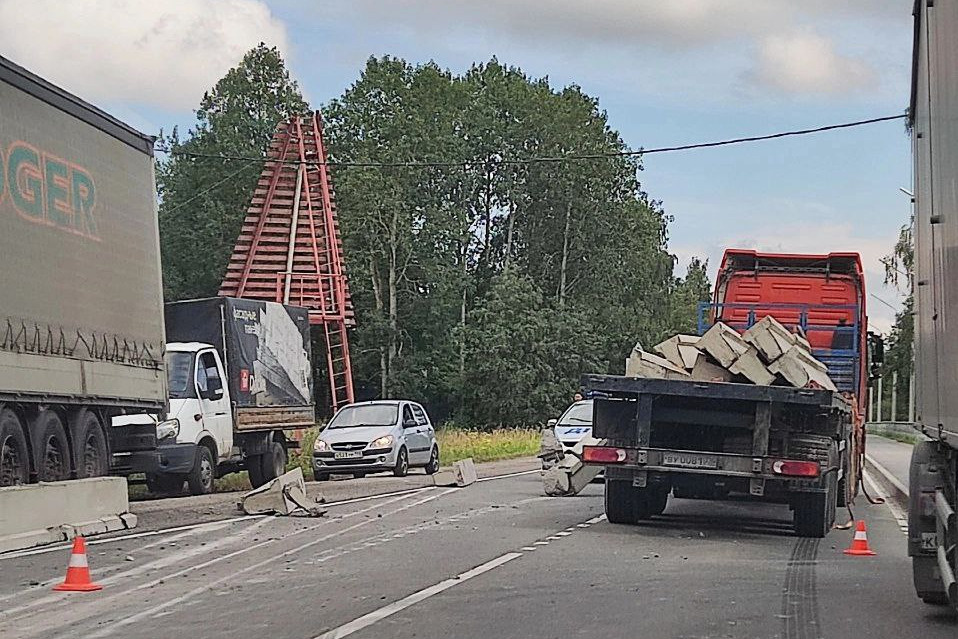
x: 876, y: 354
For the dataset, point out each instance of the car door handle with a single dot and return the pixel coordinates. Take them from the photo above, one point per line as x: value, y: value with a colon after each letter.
x: 219, y: 414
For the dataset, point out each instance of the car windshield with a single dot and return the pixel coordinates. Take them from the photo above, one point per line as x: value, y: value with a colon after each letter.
x: 366, y: 415
x: 179, y: 375
x: 578, y: 414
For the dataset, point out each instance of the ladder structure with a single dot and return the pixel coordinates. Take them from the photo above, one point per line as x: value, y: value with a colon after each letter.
x: 290, y: 250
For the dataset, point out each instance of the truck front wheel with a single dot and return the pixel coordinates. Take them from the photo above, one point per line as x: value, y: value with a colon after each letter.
x: 200, y: 479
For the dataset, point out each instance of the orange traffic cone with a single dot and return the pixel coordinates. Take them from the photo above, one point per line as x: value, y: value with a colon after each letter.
x: 78, y: 572
x: 860, y: 543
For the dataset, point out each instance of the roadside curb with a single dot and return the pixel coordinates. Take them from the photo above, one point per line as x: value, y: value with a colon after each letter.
x: 892, y: 486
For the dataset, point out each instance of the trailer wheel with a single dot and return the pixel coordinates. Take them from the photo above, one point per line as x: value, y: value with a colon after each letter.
x: 53, y: 452
x: 200, y: 478
x: 620, y: 502
x: 92, y: 459
x: 14, y: 455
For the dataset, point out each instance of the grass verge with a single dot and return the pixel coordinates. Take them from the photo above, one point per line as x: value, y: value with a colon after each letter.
x: 483, y: 446
x: 454, y: 444
x: 905, y: 438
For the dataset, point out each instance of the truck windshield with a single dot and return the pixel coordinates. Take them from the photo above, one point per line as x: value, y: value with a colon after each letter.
x: 179, y: 375
x: 578, y: 414
x: 367, y: 415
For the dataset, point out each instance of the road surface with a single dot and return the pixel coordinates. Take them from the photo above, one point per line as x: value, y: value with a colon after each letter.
x: 495, y: 559
x: 894, y: 456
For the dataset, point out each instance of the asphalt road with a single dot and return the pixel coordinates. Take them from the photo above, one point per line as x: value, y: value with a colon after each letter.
x: 492, y: 560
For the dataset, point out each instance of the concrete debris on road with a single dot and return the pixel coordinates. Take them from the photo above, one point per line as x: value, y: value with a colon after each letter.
x: 766, y: 354
x: 462, y: 473
x: 285, y: 495
x: 570, y: 476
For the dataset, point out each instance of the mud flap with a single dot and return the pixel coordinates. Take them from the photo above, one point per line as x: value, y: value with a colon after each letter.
x: 285, y: 495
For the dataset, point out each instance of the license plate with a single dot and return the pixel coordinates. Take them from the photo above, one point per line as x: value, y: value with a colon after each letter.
x: 929, y: 541
x: 689, y: 460
x: 348, y: 454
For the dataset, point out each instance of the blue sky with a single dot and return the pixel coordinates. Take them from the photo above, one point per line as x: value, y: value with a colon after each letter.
x: 666, y: 72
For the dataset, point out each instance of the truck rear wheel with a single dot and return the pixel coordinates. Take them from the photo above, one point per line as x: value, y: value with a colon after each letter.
x: 200, y: 478
x: 14, y: 455
x: 815, y: 512
x: 619, y: 502
x: 274, y: 461
x: 53, y: 453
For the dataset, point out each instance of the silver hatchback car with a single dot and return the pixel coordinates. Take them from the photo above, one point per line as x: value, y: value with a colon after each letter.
x: 377, y: 436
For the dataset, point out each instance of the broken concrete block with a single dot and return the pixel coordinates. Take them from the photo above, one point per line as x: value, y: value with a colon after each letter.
x: 723, y: 344
x: 672, y: 349
x: 770, y: 338
x: 285, y: 495
x: 643, y: 364
x: 801, y: 370
x: 570, y: 476
x: 750, y: 366
x: 706, y: 371
x: 462, y: 473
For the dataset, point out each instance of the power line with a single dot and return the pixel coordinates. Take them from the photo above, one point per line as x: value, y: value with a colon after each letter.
x: 212, y: 186
x: 549, y: 159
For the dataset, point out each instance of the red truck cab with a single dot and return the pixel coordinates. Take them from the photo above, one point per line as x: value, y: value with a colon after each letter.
x: 820, y: 296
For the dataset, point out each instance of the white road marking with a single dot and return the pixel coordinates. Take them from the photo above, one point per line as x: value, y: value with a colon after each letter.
x: 108, y: 630
x: 894, y: 481
x: 175, y: 529
x: 900, y: 516
x: 215, y: 560
x: 207, y: 524
x: 377, y: 615
x: 507, y: 475
x: 564, y: 533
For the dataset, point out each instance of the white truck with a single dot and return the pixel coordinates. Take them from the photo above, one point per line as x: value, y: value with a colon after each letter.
x: 239, y: 378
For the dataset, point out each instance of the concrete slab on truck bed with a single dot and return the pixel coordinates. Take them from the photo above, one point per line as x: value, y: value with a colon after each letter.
x: 37, y: 514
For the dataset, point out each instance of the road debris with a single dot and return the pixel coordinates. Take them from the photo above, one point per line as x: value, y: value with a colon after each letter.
x: 285, y: 495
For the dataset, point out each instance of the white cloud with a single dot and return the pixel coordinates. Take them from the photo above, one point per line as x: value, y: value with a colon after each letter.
x: 675, y: 23
x: 159, y: 52
x: 809, y: 63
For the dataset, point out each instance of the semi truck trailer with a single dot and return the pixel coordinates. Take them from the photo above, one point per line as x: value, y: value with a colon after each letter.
x: 81, y: 305
x: 933, y: 480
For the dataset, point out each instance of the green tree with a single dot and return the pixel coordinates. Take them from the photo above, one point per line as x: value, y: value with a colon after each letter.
x: 688, y: 293
x: 899, y: 357
x: 203, y: 200
x: 427, y: 244
x: 523, y: 357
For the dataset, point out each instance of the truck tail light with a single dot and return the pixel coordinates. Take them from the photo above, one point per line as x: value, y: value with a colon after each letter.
x: 603, y: 455
x: 796, y: 468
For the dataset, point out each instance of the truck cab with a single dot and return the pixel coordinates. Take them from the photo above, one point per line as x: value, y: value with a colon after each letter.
x: 236, y: 390
x: 200, y: 413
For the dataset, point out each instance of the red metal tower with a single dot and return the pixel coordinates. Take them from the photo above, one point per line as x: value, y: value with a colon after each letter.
x: 289, y: 249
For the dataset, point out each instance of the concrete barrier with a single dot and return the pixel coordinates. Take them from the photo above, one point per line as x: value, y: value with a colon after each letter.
x: 45, y: 513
